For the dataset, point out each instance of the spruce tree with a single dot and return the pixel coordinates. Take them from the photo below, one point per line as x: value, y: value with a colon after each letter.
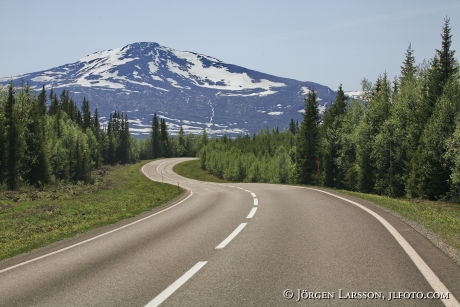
x: 331, y: 140
x: 125, y: 144
x: 164, y: 139
x: 36, y: 154
x: 12, y: 160
x: 86, y: 113
x: 408, y: 69
x: 3, y: 142
x: 293, y: 126
x: 308, y: 142
x: 447, y: 62
x: 156, y: 147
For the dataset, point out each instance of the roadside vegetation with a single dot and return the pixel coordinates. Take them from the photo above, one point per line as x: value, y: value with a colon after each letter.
x: 398, y: 146
x: 192, y: 169
x: 401, y: 140
x: 443, y: 218
x: 31, y: 218
x: 61, y: 173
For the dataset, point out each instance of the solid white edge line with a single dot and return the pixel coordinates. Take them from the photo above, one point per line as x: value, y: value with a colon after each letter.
x: 421, y: 265
x: 251, y: 213
x: 231, y: 236
x: 160, y: 298
x: 94, y: 238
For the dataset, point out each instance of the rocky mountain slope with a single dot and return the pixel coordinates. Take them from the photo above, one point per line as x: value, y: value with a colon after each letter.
x: 188, y: 89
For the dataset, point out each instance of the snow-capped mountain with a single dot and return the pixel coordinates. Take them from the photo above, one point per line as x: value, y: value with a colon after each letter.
x: 188, y: 89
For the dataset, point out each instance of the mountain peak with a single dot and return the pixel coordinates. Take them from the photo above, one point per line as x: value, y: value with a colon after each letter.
x: 190, y: 89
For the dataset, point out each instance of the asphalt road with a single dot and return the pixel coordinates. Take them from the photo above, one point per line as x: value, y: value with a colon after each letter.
x: 239, y: 245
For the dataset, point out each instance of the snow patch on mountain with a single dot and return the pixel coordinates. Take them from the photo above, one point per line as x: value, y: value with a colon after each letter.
x: 192, y: 90
x: 215, y: 76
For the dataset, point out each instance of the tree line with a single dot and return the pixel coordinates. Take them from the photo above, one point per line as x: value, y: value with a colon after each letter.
x: 46, y: 138
x: 43, y: 143
x: 401, y: 139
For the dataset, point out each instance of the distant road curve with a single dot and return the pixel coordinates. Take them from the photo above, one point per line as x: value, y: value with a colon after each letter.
x: 239, y: 245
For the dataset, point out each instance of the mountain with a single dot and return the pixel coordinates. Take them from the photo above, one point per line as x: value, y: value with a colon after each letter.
x: 186, y: 88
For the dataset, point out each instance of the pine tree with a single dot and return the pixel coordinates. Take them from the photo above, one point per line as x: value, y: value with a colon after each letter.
x: 41, y: 108
x: 293, y: 126
x: 308, y: 142
x: 447, y: 62
x: 156, y: 147
x: 86, y: 113
x: 378, y: 110
x: 452, y: 155
x: 12, y: 141
x: 3, y: 141
x: 36, y: 154
x: 164, y: 139
x: 181, y: 150
x: 408, y: 69
x: 95, y: 125
x: 331, y: 140
x: 430, y: 171
x: 125, y: 144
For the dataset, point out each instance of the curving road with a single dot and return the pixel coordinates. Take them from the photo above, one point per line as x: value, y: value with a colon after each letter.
x: 239, y: 245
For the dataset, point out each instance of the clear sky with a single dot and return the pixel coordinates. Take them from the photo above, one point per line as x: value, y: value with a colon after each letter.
x: 329, y: 42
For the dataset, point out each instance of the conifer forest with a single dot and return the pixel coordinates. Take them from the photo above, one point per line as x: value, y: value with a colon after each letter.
x: 401, y: 139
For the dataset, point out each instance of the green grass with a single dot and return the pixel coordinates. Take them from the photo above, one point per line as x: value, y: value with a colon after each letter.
x: 31, y: 219
x: 441, y: 217
x: 192, y: 169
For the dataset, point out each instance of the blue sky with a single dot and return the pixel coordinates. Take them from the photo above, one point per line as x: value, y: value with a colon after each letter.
x: 329, y: 42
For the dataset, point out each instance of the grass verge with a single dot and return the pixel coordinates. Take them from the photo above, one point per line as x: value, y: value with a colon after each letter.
x: 440, y: 217
x: 32, y: 219
x: 192, y: 169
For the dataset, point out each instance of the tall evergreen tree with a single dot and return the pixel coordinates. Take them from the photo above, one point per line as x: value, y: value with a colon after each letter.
x: 331, y: 140
x: 308, y: 141
x: 164, y: 139
x: 447, y: 62
x: 293, y: 126
x: 36, y: 156
x: 12, y: 140
x: 378, y: 110
x: 86, y: 113
x: 3, y: 140
x: 408, y: 69
x: 125, y: 144
x: 156, y: 144
x: 181, y: 149
x: 41, y: 108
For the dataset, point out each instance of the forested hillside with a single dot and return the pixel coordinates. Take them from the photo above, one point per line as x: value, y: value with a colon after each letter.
x: 47, y: 139
x: 41, y: 145
x: 401, y: 139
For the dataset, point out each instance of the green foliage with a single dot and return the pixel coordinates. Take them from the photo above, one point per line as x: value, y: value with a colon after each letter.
x: 452, y: 156
x: 263, y: 158
x: 308, y: 142
x: 402, y: 139
x: 64, y: 144
x: 31, y: 219
x: 331, y: 141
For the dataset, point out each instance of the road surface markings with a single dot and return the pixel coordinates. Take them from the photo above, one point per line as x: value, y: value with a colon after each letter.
x: 231, y: 236
x: 251, y: 213
x: 256, y: 202
x: 160, y: 298
x: 421, y: 265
